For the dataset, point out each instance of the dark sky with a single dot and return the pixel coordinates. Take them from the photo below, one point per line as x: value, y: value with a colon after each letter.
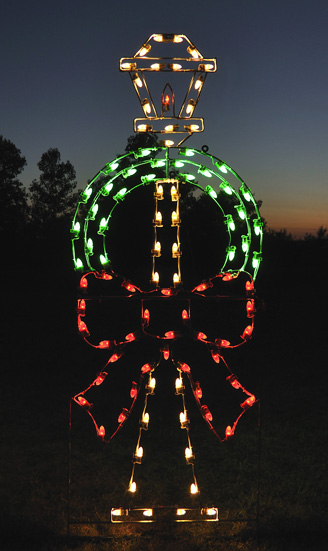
x: 265, y: 110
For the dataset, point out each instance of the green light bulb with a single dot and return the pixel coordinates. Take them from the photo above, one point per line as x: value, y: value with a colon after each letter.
x: 147, y: 178
x: 112, y: 166
x: 75, y: 230
x: 241, y: 211
x: 245, y: 243
x: 221, y: 167
x: 89, y: 246
x: 85, y: 194
x: 107, y: 189
x: 142, y: 152
x: 211, y: 192
x: 256, y: 260
x: 257, y: 226
x: 157, y: 163
x: 188, y: 177
x: 78, y: 264
x: 230, y: 223
x: 205, y: 172
x: 93, y: 211
x: 231, y: 252
x: 120, y: 195
x: 246, y: 192
x: 187, y: 152
x: 103, y: 226
x: 103, y: 259
x: 226, y: 188
x: 129, y: 172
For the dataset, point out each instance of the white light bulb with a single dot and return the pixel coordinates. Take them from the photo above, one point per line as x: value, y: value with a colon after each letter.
x: 132, y: 487
x: 178, y: 383
x: 183, y: 418
x: 145, y: 418
x: 139, y: 451
x: 188, y: 453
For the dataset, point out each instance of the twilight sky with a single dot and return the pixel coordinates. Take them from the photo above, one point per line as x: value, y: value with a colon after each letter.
x: 265, y: 110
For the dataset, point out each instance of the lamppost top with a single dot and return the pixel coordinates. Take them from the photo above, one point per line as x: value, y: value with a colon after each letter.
x: 169, y: 119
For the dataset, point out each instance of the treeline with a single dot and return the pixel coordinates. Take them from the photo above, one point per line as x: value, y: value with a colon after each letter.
x: 36, y: 221
x: 49, y: 198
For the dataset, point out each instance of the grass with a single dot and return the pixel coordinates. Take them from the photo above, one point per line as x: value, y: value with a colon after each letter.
x: 45, y: 363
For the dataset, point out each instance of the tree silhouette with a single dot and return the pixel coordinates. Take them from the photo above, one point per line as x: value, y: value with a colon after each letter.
x: 52, y: 196
x: 144, y: 139
x: 321, y: 234
x: 13, y: 196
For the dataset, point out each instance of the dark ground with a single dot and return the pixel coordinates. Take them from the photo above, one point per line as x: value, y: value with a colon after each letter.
x: 45, y: 362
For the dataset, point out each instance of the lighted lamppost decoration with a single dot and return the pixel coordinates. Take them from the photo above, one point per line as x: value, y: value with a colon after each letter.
x: 166, y: 168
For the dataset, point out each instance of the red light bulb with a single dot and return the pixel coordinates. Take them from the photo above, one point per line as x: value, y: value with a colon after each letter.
x: 184, y: 367
x: 130, y: 337
x: 198, y: 391
x: 232, y: 379
x: 247, y: 332
x: 201, y: 337
x: 170, y: 335
x: 146, y: 315
x: 250, y: 308
x: 116, y: 356
x: 83, y: 282
x: 215, y: 356
x: 101, y: 432
x: 229, y: 432
x: 203, y: 286
x: 146, y: 368
x: 103, y: 344
x: 166, y: 292
x: 166, y: 353
x: 134, y: 390
x: 84, y: 403
x: 166, y: 101
x: 129, y: 286
x: 248, y: 403
x: 222, y: 343
x: 123, y: 415
x: 106, y: 276
x: 249, y: 285
x: 81, y: 307
x: 100, y: 378
x: 82, y: 326
x: 206, y: 413
x: 185, y: 315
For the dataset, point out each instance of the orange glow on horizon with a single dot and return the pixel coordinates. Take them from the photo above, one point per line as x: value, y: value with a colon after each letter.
x: 296, y: 219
